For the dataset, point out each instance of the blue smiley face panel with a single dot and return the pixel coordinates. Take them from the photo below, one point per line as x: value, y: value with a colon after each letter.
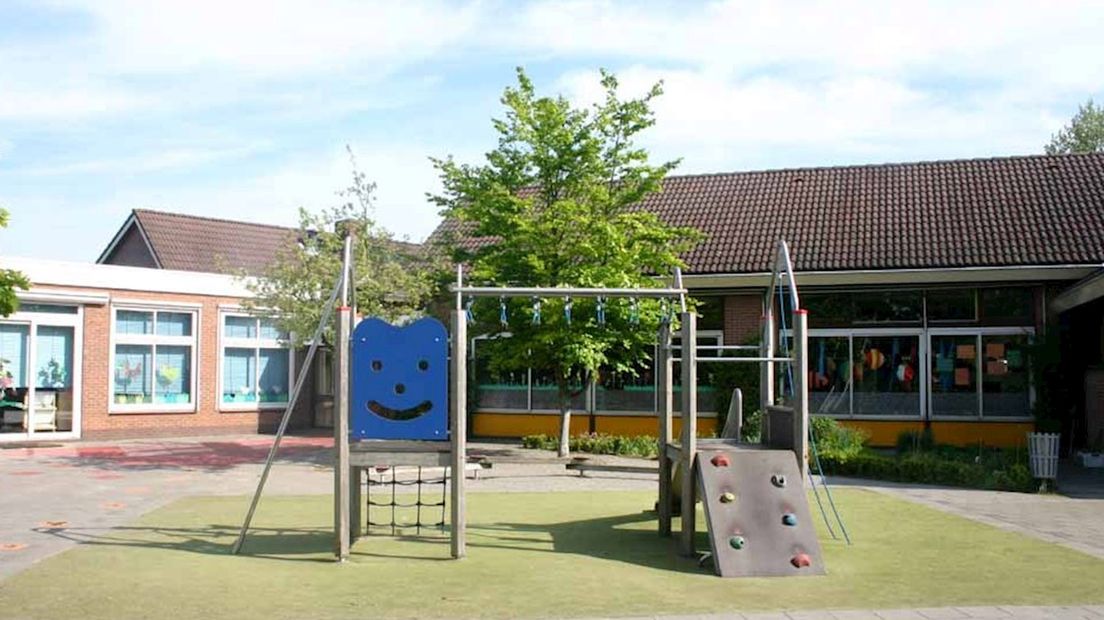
x: 400, y: 381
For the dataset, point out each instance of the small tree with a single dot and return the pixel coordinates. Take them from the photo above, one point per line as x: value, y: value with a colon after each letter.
x: 1084, y: 134
x: 555, y: 204
x: 10, y: 280
x: 391, y: 279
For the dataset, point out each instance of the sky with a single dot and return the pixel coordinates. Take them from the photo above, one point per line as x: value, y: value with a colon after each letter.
x: 245, y: 110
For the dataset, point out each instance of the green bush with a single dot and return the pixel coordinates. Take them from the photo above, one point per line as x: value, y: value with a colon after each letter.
x: 835, y: 441
x: 935, y: 467
x: 909, y: 441
x: 751, y: 430
x: 598, y: 443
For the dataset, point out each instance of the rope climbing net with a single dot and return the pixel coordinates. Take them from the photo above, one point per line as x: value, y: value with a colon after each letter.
x: 387, y: 478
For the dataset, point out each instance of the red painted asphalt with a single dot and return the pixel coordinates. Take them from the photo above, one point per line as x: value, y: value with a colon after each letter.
x: 207, y: 453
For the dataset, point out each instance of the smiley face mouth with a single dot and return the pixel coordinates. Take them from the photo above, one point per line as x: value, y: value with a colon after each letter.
x: 384, y: 411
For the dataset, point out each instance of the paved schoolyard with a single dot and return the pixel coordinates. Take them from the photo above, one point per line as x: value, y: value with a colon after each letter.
x: 54, y: 497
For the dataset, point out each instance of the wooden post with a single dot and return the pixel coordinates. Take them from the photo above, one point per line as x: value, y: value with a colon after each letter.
x: 688, y: 355
x: 341, y: 437
x: 356, y: 526
x: 459, y: 429
x: 664, y: 393
x: 801, y: 389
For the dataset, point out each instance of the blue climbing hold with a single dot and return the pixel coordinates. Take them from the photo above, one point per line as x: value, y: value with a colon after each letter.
x: 789, y: 519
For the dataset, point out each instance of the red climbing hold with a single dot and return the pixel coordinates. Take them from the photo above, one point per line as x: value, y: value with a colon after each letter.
x: 800, y: 560
x: 720, y: 460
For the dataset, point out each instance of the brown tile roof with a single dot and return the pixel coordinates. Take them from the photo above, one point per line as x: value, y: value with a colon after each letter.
x: 1031, y: 210
x: 195, y: 243
x: 192, y: 243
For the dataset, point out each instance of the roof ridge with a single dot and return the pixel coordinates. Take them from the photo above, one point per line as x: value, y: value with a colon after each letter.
x: 900, y: 164
x: 214, y: 219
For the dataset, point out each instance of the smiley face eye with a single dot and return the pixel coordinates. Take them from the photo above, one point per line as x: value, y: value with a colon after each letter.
x: 423, y: 365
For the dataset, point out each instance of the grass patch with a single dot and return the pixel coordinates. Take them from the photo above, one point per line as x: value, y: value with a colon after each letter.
x: 530, y: 555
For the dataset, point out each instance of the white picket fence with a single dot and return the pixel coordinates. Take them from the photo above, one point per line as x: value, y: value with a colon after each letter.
x: 1042, y: 449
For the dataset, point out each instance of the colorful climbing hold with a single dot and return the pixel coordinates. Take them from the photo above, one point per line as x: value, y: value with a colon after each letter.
x: 727, y: 497
x: 12, y: 546
x: 778, y: 480
x: 737, y: 542
x: 720, y: 460
x: 801, y: 560
x: 789, y: 519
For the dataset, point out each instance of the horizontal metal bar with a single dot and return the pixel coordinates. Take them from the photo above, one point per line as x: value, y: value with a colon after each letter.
x: 738, y: 359
x: 723, y: 347
x: 509, y: 291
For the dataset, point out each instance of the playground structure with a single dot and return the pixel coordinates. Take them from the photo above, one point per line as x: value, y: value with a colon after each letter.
x: 392, y: 392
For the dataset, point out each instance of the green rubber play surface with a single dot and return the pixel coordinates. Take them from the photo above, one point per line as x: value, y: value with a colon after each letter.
x: 530, y: 555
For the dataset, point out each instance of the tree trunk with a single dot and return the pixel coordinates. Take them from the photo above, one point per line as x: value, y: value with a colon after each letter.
x: 564, y: 393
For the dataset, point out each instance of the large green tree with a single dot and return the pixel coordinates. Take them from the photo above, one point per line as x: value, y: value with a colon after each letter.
x: 392, y: 279
x: 554, y: 205
x: 1083, y: 134
x: 10, y: 280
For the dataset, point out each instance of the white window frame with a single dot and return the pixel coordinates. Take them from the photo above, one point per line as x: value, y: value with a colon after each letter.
x: 256, y: 344
x: 153, y: 340
x: 979, y: 333
x: 921, y: 362
x: 33, y: 320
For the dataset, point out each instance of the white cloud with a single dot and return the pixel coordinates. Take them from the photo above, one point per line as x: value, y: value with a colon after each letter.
x: 271, y: 37
x: 1051, y: 43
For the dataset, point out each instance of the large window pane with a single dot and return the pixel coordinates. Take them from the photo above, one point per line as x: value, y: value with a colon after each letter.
x: 496, y: 390
x: 273, y: 376
x: 954, y: 376
x: 54, y: 357
x: 952, y: 305
x: 133, y: 322
x: 53, y: 406
x: 888, y: 306
x: 270, y: 331
x: 886, y: 375
x: 546, y: 392
x: 710, y: 312
x: 623, y: 391
x: 1006, y: 306
x: 174, y: 374
x: 1004, y: 376
x: 133, y: 374
x: 13, y: 355
x: 828, y: 309
x: 829, y: 376
x: 240, y: 327
x: 174, y: 324
x: 239, y: 369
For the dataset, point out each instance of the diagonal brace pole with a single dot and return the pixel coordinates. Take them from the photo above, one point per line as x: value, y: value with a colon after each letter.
x: 323, y: 322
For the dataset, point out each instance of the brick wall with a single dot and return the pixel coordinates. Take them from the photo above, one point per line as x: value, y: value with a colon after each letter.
x: 208, y: 418
x: 742, y: 314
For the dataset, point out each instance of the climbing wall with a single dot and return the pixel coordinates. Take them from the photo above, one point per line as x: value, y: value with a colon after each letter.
x: 758, y: 514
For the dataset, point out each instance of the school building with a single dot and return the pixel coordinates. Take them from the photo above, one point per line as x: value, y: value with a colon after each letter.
x: 938, y: 293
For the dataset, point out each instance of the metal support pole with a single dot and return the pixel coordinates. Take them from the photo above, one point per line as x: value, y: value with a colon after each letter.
x: 664, y: 392
x: 801, y: 389
x: 342, y: 525
x: 689, y: 431
x: 766, y: 371
x: 459, y: 429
